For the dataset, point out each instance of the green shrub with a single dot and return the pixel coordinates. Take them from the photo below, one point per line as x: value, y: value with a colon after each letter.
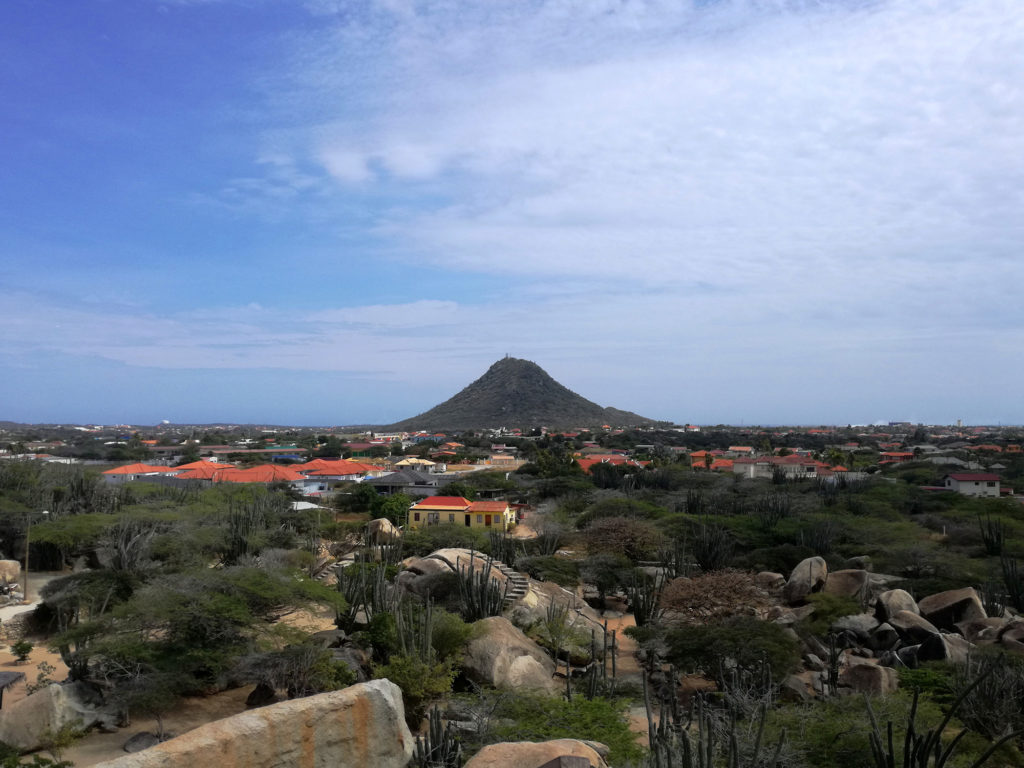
x: 536, y: 718
x: 421, y: 682
x: 618, y: 507
x: 561, y: 570
x: 934, y: 680
x: 423, y: 541
x: 780, y: 559
x: 828, y: 608
x: 742, y: 641
x: 834, y: 732
x: 449, y: 634
x: 22, y: 649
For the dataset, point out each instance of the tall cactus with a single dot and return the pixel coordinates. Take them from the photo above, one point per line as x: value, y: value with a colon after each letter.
x: 481, y: 593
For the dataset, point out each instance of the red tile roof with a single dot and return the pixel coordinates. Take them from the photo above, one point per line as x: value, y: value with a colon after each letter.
x: 203, y: 470
x: 447, y: 502
x: 264, y: 473
x: 139, y: 469
x: 488, y: 506
x: 974, y: 477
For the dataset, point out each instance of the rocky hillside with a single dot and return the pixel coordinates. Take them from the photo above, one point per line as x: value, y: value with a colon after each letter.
x: 517, y: 392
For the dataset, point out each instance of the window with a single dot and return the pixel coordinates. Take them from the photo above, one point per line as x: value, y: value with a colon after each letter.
x: 451, y: 518
x: 991, y: 485
x: 416, y: 516
x: 479, y: 518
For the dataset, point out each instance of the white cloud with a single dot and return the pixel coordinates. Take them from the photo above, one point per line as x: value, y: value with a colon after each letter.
x: 742, y: 144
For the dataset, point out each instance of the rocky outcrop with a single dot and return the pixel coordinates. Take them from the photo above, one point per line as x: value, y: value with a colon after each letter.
x: 808, y: 577
x: 982, y: 631
x: 911, y: 627
x: 24, y: 723
x: 946, y: 609
x: 1011, y: 637
x: 945, y: 647
x: 849, y: 583
x: 529, y: 754
x: 861, y: 625
x: 893, y: 601
x: 502, y: 656
x: 382, y: 531
x: 419, y: 571
x: 869, y: 678
x: 363, y: 725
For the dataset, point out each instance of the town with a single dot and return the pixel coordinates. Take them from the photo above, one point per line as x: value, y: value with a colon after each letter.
x: 579, y: 584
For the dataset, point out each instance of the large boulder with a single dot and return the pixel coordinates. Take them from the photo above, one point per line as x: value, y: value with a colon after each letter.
x: 529, y: 754
x: 945, y: 647
x: 809, y: 576
x: 382, y: 531
x: 25, y: 723
x: 982, y: 631
x: 418, y: 572
x: 870, y: 678
x: 912, y: 628
x: 848, y: 583
x: 362, y: 725
x: 946, y: 609
x: 1011, y: 637
x: 893, y: 601
x: 860, y: 624
x: 883, y: 638
x: 502, y: 656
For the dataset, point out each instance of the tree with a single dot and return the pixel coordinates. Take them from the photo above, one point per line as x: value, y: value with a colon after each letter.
x: 632, y: 539
x: 604, y: 571
x: 190, y: 454
x: 394, y: 507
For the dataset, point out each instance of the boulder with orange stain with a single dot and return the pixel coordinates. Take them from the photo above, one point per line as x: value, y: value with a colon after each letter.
x: 362, y: 725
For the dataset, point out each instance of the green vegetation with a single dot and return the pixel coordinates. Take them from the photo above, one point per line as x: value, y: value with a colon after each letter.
x: 535, y: 718
x: 186, y: 589
x: 742, y: 642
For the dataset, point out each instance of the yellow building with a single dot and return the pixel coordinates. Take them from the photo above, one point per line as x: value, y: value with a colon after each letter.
x: 455, y: 510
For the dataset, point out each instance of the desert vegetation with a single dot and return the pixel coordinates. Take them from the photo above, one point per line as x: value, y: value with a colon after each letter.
x: 173, y: 592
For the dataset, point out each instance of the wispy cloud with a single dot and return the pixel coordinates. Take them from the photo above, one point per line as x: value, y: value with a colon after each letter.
x: 744, y: 144
x: 689, y: 200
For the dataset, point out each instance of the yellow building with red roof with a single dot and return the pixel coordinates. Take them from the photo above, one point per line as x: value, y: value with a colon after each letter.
x: 456, y: 510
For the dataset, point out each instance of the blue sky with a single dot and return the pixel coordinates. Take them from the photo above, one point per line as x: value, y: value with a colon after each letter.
x: 328, y: 212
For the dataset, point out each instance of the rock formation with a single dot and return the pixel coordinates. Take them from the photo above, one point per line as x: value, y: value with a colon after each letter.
x: 363, y: 725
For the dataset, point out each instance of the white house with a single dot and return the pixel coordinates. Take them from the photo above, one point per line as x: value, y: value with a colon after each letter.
x: 973, y: 483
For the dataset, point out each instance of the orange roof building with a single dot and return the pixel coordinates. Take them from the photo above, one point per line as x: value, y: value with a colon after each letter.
x: 455, y: 510
x: 262, y: 473
x: 139, y: 469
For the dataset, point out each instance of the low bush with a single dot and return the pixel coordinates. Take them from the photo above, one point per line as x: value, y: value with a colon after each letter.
x: 421, y: 682
x: 827, y: 608
x: 535, y: 718
x: 740, y: 642
x: 561, y: 570
x: 422, y: 541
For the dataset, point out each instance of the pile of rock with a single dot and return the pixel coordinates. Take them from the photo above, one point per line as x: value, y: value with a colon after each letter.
x: 893, y: 631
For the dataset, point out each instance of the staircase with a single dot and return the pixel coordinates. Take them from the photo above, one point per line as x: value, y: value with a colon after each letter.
x: 519, y: 585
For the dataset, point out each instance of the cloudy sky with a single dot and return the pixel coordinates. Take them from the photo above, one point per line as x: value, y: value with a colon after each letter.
x: 341, y: 211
